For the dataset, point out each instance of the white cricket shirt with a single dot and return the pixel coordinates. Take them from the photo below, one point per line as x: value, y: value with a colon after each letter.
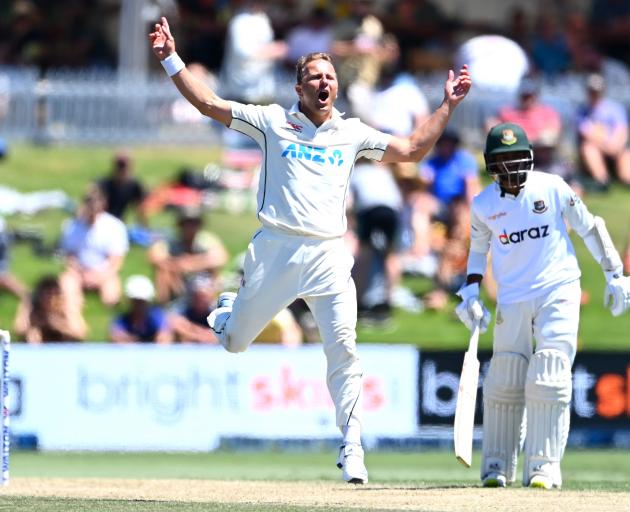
x: 306, y: 169
x: 527, y: 235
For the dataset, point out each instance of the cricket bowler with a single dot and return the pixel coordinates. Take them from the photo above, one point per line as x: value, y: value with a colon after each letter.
x: 521, y: 220
x: 309, y: 152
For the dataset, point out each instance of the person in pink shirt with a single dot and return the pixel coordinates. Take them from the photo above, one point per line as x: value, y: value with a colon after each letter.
x: 540, y: 121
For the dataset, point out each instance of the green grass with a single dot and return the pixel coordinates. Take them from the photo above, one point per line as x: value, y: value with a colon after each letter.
x: 582, y: 469
x: 79, y: 505
x: 31, y: 168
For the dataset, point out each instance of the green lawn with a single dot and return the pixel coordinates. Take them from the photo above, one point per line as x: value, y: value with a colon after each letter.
x: 582, y: 469
x: 99, y: 482
x: 31, y: 168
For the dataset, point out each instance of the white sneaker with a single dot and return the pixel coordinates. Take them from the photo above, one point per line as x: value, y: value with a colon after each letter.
x: 545, y: 476
x: 350, y: 461
x: 224, y: 303
x: 494, y: 480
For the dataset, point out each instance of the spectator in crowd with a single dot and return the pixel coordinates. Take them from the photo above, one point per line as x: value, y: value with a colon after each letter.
x: 518, y: 26
x: 610, y: 24
x: 395, y: 103
x: 424, y: 31
x: 282, y: 329
x: 94, y: 245
x: 537, y: 119
x: 122, y: 189
x: 248, y: 69
x: 603, y: 135
x: 183, y: 191
x: 194, y: 250
x: 188, y: 315
x: 451, y: 176
x: 377, y: 204
x: 361, y: 46
x: 314, y: 34
x: 550, y: 50
x: 205, y: 25
x: 547, y: 158
x: 48, y: 315
x: 142, y: 321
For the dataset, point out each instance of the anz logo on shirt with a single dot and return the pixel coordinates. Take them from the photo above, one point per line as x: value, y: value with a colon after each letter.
x: 520, y: 236
x: 313, y: 154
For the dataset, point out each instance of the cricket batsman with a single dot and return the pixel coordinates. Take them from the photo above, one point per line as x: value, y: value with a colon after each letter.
x: 520, y: 219
x: 309, y: 152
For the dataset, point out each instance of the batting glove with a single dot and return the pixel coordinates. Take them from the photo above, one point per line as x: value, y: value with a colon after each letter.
x: 617, y: 295
x: 471, y: 310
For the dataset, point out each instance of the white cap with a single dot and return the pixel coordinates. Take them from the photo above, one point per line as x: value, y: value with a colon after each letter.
x: 139, y: 287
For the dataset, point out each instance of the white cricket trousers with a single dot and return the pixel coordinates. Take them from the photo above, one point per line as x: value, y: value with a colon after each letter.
x: 280, y: 268
x: 551, y: 320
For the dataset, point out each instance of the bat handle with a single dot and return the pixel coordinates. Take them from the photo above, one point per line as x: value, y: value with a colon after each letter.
x: 473, y: 344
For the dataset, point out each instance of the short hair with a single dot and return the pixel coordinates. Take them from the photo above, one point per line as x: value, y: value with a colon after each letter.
x: 305, y: 59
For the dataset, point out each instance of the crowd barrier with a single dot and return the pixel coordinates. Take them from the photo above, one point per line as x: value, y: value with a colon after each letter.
x: 99, y: 107
x: 197, y: 398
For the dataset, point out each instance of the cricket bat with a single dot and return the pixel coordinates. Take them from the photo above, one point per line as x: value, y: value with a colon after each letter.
x: 466, y: 399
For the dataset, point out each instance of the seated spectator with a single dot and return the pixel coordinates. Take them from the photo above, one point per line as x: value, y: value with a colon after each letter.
x: 451, y: 176
x: 122, y: 189
x: 360, y: 45
x: 395, y: 104
x: 547, y: 158
x: 13, y: 201
x: 188, y: 315
x: 550, y: 46
x: 48, y: 315
x: 142, y: 322
x: 283, y: 329
x: 537, y: 119
x: 603, y: 135
x: 184, y: 190
x: 94, y: 245
x: 314, y: 34
x: 194, y: 250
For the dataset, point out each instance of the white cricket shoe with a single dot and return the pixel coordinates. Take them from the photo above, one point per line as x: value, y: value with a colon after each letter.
x: 224, y: 303
x: 494, y: 480
x: 350, y: 461
x: 545, y: 476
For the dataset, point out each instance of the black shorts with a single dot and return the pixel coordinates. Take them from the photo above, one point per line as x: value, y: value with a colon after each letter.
x: 378, y: 227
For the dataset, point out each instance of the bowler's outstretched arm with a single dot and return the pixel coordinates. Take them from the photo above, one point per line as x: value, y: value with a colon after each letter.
x: 196, y: 92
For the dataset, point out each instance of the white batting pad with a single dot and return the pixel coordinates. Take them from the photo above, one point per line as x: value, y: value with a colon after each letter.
x: 547, y: 397
x: 503, y: 414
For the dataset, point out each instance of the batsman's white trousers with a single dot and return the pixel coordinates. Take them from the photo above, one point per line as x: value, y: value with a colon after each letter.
x: 551, y: 320
x: 279, y: 268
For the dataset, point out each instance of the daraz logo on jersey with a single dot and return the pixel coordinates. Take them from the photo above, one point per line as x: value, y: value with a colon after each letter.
x: 519, y: 236
x: 313, y: 154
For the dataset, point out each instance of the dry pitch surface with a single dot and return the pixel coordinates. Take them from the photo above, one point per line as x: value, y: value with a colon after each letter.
x: 322, y: 494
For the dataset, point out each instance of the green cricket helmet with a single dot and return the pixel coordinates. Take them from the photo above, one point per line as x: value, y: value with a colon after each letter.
x: 508, y: 155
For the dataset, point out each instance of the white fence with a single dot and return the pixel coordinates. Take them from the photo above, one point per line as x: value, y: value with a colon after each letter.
x: 101, y: 108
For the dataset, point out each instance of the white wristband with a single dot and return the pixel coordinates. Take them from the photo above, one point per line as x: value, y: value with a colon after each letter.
x: 173, y: 64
